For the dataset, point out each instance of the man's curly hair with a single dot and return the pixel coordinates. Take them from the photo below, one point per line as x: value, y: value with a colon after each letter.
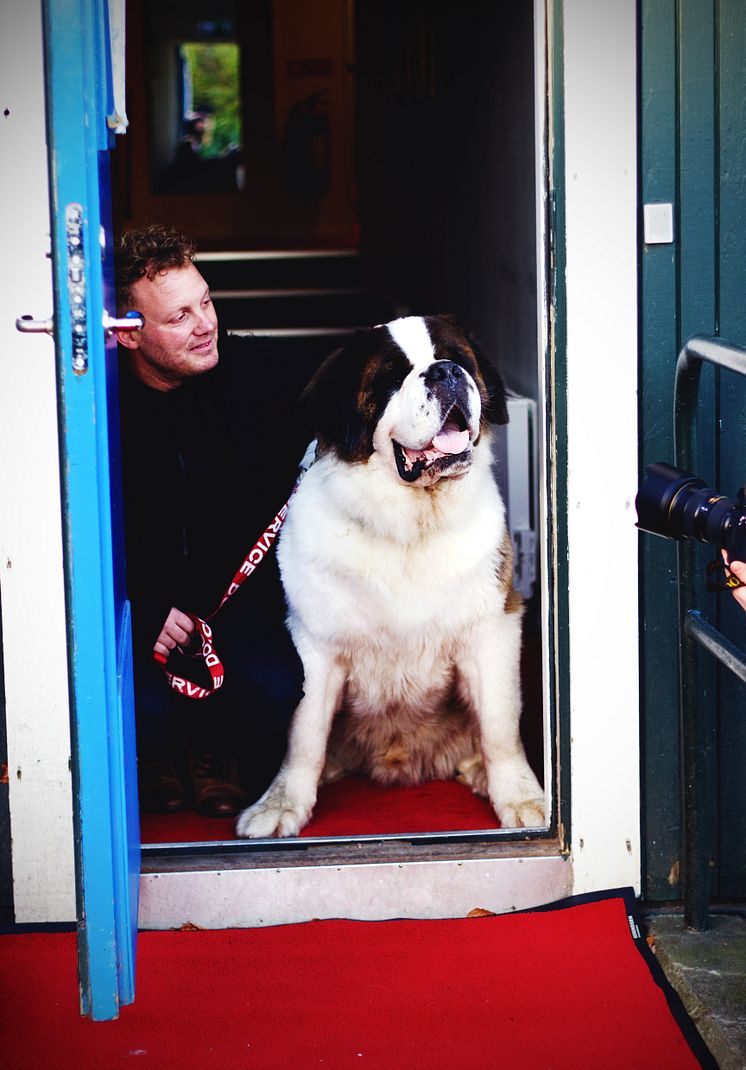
x: 145, y: 253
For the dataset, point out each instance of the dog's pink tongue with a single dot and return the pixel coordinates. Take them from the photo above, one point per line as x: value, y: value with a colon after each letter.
x: 451, y: 440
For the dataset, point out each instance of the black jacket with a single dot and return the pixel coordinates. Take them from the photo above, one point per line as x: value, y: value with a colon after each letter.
x: 205, y: 468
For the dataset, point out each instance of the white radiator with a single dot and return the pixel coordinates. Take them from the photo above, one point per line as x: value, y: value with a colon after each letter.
x: 516, y: 465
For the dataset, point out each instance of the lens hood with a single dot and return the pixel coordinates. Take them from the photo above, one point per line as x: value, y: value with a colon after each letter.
x: 656, y: 495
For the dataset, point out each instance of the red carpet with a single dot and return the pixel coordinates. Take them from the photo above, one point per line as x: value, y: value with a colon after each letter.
x: 566, y: 989
x: 350, y: 807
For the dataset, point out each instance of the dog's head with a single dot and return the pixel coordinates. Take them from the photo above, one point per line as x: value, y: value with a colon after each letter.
x: 417, y: 390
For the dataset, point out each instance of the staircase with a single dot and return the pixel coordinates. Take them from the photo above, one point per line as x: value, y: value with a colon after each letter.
x: 306, y: 302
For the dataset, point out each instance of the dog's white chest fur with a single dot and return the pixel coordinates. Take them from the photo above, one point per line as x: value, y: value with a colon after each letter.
x: 372, y: 569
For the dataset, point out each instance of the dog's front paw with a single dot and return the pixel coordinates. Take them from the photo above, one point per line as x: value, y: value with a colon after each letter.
x: 516, y: 795
x: 279, y: 812
x: 526, y: 814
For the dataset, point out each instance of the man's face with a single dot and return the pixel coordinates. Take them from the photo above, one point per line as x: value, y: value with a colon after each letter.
x: 179, y: 338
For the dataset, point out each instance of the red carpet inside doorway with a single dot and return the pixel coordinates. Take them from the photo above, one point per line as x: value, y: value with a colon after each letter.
x: 353, y: 806
x: 572, y: 987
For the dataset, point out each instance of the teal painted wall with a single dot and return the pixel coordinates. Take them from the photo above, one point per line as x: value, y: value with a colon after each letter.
x: 693, y: 155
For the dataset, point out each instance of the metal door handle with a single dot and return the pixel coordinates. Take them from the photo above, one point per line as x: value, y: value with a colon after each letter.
x: 131, y: 321
x: 28, y: 325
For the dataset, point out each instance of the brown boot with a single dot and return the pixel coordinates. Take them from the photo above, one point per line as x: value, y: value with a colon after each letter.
x: 215, y: 788
x: 160, y: 789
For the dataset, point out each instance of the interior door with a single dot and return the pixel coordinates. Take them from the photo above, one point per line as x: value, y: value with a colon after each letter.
x: 80, y: 114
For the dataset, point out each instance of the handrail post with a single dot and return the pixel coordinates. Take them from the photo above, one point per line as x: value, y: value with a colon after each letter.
x: 696, y: 716
x: 694, y: 766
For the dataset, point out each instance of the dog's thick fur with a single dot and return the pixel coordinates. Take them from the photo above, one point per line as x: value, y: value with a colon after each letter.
x: 396, y: 563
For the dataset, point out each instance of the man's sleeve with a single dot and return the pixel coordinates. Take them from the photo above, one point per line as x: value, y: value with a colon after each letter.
x: 150, y: 531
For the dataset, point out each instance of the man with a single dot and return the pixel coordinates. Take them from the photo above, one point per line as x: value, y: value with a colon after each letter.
x: 209, y: 456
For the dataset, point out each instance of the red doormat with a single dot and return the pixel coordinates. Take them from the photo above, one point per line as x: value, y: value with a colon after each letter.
x: 350, y: 807
x: 570, y: 987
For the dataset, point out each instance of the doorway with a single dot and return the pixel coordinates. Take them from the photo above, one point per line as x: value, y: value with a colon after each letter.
x: 415, y: 191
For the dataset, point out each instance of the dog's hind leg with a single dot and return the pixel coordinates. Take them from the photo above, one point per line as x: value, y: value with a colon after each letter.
x: 472, y: 772
x: 491, y: 675
x: 286, y: 806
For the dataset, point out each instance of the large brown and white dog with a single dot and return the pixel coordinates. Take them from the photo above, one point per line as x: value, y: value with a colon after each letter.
x: 396, y: 563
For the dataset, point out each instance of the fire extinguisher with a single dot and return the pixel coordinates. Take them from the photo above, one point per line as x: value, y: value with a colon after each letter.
x: 307, y: 146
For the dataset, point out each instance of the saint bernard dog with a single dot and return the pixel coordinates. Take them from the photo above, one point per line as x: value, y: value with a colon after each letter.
x: 397, y: 566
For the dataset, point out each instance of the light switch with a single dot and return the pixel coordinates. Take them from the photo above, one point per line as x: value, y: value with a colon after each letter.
x: 658, y: 224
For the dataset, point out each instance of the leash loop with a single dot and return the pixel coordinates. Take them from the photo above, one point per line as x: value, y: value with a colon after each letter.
x: 248, y: 567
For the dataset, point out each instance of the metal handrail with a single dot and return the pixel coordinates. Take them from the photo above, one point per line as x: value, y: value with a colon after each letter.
x: 727, y: 653
x: 697, y: 723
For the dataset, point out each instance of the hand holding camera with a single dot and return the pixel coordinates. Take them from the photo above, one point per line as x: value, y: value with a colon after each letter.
x: 737, y: 569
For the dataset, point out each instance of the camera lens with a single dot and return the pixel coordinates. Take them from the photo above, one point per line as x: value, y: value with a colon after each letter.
x: 698, y: 513
x: 678, y: 505
x: 716, y: 519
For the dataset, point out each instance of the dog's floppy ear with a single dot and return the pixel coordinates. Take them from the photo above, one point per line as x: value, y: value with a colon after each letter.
x: 492, y: 388
x: 496, y: 409
x: 331, y: 402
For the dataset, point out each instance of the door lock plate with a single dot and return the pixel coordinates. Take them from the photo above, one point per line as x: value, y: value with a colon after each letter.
x: 76, y: 288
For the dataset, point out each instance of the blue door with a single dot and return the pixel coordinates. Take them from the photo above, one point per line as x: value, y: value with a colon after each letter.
x: 79, y: 103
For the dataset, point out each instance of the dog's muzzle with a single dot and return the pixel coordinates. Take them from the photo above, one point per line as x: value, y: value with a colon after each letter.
x: 449, y: 451
x: 451, y: 446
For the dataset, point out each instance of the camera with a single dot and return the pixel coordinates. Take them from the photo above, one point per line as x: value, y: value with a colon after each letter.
x: 678, y: 505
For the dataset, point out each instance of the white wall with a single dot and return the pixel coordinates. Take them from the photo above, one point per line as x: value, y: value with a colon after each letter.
x: 31, y: 579
x: 601, y: 199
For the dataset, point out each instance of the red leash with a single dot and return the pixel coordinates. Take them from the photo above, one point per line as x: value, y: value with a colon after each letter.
x: 253, y: 559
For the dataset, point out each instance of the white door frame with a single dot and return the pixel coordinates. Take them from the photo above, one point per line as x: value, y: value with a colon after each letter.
x: 600, y: 134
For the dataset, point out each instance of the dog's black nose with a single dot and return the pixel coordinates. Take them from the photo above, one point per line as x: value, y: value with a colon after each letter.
x: 443, y: 371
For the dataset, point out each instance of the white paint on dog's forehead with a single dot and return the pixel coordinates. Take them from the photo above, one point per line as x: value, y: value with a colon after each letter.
x: 411, y: 335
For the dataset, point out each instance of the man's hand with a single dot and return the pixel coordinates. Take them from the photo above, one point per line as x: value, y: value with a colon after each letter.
x: 178, y: 630
x: 738, y: 568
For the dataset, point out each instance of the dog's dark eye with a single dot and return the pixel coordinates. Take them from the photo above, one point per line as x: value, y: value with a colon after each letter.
x: 390, y: 374
x: 381, y: 381
x: 392, y: 377
x: 459, y: 356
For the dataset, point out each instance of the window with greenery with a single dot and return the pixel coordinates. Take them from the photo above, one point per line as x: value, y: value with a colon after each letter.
x: 212, y: 90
